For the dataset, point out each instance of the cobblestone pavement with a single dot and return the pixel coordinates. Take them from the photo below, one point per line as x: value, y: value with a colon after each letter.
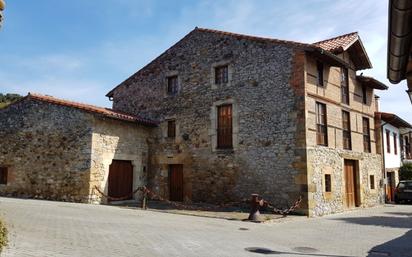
x: 43, y: 228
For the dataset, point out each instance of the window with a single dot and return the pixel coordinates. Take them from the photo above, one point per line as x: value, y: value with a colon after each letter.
x: 395, y: 143
x: 172, y: 85
x: 388, y: 141
x: 224, y: 127
x: 328, y: 183
x: 364, y: 95
x: 321, y: 125
x: 3, y: 175
x: 366, y: 135
x: 372, y: 181
x: 221, y: 74
x: 346, y: 132
x: 407, y: 147
x: 171, y: 128
x: 344, y: 85
x: 319, y: 66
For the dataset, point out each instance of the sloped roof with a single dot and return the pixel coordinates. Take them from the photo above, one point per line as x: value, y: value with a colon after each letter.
x: 371, y: 82
x: 91, y: 109
x: 350, y: 42
x: 311, y: 48
x: 393, y: 119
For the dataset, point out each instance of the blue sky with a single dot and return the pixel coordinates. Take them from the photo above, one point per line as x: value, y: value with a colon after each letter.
x: 81, y: 49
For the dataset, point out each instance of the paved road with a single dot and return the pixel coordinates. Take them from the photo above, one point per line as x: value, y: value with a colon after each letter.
x: 42, y: 228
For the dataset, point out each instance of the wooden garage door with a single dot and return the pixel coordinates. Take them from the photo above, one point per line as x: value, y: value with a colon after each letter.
x: 176, y: 182
x: 351, y: 183
x: 120, y: 179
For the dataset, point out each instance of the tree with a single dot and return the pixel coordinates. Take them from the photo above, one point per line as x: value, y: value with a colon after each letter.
x: 405, y: 172
x: 6, y: 99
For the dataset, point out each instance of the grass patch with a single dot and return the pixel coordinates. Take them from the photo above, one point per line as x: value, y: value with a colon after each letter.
x: 3, y: 235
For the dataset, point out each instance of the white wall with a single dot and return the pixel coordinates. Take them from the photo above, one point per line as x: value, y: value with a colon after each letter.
x: 391, y: 160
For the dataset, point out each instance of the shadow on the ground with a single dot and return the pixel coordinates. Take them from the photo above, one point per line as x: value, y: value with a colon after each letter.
x: 400, y: 246
x: 381, y: 221
x: 303, y: 252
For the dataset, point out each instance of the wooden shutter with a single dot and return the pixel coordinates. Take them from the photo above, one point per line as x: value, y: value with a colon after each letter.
x: 388, y: 141
x: 3, y: 175
x: 319, y: 66
x: 221, y: 74
x: 321, y: 124
x: 345, y: 85
x: 366, y: 135
x: 224, y: 126
x: 172, y: 85
x: 395, y: 143
x: 346, y: 131
x: 171, y: 128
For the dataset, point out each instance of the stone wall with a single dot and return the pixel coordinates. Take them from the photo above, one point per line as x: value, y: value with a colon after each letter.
x: 268, y: 156
x: 47, y: 151
x: 323, y: 160
x: 114, y: 140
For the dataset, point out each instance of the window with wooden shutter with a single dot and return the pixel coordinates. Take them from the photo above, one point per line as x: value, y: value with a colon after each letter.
x: 345, y: 85
x: 319, y: 66
x: 366, y: 135
x: 364, y: 95
x: 172, y: 85
x: 222, y: 74
x: 346, y: 131
x: 3, y: 175
x: 224, y: 127
x: 388, y: 141
x: 372, y: 181
x: 395, y: 143
x: 328, y: 183
x: 321, y: 125
x: 171, y: 128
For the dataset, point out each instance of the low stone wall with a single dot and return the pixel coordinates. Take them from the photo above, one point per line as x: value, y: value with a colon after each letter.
x: 323, y: 160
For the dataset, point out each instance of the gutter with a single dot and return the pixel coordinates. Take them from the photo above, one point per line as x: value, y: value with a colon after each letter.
x: 399, y: 39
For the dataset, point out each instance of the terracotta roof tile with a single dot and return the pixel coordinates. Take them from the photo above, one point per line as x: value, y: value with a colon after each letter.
x: 339, y: 43
x: 92, y: 109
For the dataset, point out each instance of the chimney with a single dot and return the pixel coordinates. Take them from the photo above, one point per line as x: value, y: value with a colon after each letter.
x: 377, y: 103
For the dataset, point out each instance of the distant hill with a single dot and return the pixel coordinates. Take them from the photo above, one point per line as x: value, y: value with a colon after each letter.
x: 6, y: 99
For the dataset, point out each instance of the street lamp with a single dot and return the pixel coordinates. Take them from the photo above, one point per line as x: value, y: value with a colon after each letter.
x: 409, y: 91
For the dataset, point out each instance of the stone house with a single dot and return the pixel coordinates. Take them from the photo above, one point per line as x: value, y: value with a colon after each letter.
x: 60, y: 150
x: 225, y: 115
x: 395, y: 148
x: 241, y: 114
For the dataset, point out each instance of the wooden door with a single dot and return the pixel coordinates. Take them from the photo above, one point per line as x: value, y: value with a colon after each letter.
x: 390, y: 186
x: 176, y: 182
x: 120, y: 179
x: 351, y: 183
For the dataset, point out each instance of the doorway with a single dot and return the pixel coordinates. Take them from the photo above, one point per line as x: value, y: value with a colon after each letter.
x: 390, y: 188
x: 176, y: 182
x: 351, y: 184
x: 120, y: 179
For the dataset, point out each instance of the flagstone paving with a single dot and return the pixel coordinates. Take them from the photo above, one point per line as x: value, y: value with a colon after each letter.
x: 45, y: 228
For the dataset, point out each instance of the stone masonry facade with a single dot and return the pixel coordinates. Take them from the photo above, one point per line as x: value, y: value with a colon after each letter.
x: 61, y: 153
x: 268, y: 151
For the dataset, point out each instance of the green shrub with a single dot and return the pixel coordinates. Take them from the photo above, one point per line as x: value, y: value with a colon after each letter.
x: 405, y: 172
x: 3, y: 235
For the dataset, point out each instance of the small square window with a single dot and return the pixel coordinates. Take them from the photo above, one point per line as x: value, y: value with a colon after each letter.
x: 328, y: 183
x: 171, y: 128
x: 222, y: 74
x: 3, y: 175
x: 372, y: 181
x: 172, y: 85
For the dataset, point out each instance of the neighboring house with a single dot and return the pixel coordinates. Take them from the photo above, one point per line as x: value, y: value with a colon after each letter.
x: 393, y: 136
x: 60, y: 150
x: 241, y: 114
x: 406, y: 145
x: 236, y: 115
